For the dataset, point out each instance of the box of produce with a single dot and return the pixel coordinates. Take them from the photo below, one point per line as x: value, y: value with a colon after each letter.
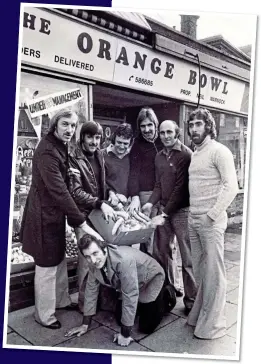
x: 20, y: 261
x: 71, y: 244
x: 126, y: 230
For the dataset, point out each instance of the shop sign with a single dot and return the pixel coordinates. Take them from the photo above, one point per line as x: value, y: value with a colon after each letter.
x: 47, y: 104
x: 52, y: 41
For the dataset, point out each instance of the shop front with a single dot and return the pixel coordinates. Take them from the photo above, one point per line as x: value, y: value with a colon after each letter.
x: 115, y: 76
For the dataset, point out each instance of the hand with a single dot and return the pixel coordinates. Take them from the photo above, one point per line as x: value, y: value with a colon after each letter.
x: 85, y: 228
x: 78, y: 330
x: 121, y: 340
x: 113, y: 199
x: 206, y: 220
x: 73, y: 172
x: 134, y: 205
x: 146, y: 209
x: 158, y: 220
x: 108, y: 212
x: 123, y: 199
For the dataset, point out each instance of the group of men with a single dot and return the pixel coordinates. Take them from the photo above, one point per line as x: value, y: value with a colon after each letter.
x: 161, y: 176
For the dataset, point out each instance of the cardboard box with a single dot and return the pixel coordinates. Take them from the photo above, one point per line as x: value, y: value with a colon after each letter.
x: 123, y: 238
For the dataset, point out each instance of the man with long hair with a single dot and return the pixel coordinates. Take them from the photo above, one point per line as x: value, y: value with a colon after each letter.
x: 212, y: 187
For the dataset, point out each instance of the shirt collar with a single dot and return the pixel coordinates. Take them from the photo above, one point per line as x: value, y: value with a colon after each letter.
x: 176, y: 146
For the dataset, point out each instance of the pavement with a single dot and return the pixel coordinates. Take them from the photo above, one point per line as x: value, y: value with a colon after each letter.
x: 172, y: 336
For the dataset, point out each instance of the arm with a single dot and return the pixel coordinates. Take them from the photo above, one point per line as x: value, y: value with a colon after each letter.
x: 156, y: 194
x: 80, y: 196
x: 133, y: 183
x: 224, y: 162
x: 181, y: 185
x: 130, y: 295
x: 90, y: 298
x: 90, y: 303
x: 57, y: 188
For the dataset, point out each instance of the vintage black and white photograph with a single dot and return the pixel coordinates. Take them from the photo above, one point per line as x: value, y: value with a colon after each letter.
x: 129, y: 182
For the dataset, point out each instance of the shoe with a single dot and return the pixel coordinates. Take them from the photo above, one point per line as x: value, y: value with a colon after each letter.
x: 187, y: 310
x: 54, y: 326
x: 72, y: 307
x: 178, y: 292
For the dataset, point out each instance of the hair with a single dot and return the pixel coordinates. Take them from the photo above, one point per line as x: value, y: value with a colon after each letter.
x: 206, y: 116
x: 147, y: 113
x: 177, y: 128
x: 63, y: 113
x: 87, y: 239
x: 123, y: 130
x: 91, y: 128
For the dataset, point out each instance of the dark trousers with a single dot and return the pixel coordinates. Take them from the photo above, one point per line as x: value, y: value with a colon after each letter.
x: 150, y: 314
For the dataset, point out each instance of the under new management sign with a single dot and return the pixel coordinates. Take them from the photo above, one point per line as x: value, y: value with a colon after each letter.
x: 52, y: 41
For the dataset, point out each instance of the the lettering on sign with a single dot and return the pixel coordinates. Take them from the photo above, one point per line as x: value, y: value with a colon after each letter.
x: 73, y: 63
x: 214, y: 81
x: 85, y: 45
x: 54, y: 101
x: 219, y: 101
x: 31, y: 52
x: 43, y: 24
x: 185, y: 92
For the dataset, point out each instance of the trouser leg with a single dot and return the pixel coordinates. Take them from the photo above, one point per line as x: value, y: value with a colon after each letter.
x: 197, y: 262
x: 151, y: 314
x: 63, y: 298
x: 211, y: 321
x: 144, y: 198
x: 82, y: 272
x: 165, y: 252
x: 179, y: 223
x: 45, y: 294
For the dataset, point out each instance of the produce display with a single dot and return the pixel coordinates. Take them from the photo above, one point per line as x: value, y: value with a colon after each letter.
x: 71, y: 243
x: 18, y: 256
x: 130, y: 222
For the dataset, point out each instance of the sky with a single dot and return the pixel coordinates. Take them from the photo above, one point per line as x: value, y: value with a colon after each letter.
x: 238, y: 29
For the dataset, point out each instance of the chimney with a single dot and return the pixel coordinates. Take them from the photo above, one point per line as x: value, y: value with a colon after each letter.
x: 189, y: 25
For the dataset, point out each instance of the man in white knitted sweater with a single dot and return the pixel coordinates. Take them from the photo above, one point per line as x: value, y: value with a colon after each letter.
x: 212, y: 187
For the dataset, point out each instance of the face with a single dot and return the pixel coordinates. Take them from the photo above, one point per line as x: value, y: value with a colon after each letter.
x: 197, y: 131
x: 65, y: 128
x: 91, y: 142
x: 95, y: 256
x: 121, y: 145
x: 147, y: 129
x: 168, y: 134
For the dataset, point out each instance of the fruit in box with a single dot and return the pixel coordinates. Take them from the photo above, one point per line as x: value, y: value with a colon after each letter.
x: 71, y: 243
x: 18, y: 256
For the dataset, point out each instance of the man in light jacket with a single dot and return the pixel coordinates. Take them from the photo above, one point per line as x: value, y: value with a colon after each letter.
x: 135, y: 274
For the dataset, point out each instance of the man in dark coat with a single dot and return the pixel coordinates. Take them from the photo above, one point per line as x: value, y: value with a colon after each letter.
x: 88, y: 188
x: 43, y: 225
x: 136, y: 275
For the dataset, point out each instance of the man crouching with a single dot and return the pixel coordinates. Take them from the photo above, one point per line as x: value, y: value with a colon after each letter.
x: 136, y: 275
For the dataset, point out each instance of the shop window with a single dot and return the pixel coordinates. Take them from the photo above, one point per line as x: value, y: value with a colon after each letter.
x: 31, y: 130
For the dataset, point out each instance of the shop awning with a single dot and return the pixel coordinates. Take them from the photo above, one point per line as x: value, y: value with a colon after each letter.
x: 133, y: 18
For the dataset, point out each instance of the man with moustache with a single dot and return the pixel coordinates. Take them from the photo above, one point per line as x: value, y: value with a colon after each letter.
x: 171, y: 190
x: 88, y: 187
x: 212, y: 187
x: 48, y: 205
